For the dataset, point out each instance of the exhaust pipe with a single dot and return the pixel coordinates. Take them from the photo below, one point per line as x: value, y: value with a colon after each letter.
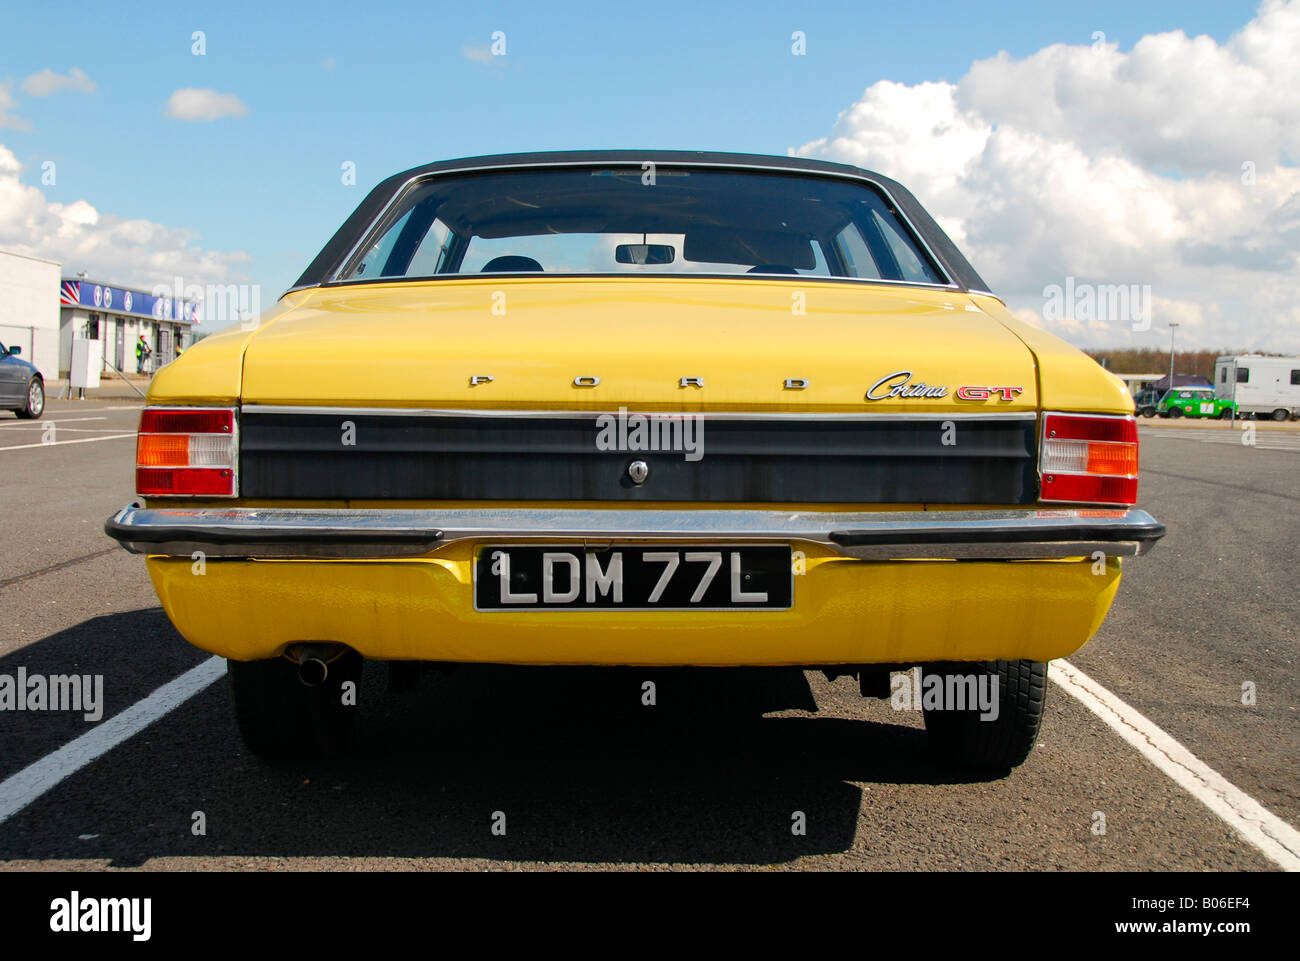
x: 312, y: 671
x: 313, y: 668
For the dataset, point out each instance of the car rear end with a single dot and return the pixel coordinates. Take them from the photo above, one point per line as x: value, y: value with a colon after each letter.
x: 867, y: 525
x: 637, y: 470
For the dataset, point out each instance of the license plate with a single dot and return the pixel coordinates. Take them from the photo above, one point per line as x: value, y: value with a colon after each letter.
x: 670, y: 577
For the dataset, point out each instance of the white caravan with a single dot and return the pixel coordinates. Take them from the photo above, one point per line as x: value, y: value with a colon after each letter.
x: 1263, y: 386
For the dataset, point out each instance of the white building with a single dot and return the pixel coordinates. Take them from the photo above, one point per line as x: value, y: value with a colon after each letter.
x: 1135, y: 382
x: 29, y: 309
x: 120, y: 316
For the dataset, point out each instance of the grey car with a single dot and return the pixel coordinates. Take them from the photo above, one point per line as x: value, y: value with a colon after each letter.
x: 22, y: 388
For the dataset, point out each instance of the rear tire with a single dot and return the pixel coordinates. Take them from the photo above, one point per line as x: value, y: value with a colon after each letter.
x: 1002, y: 742
x: 280, y: 718
x: 1147, y: 412
x: 1225, y: 414
x: 35, y: 405
x: 1281, y: 414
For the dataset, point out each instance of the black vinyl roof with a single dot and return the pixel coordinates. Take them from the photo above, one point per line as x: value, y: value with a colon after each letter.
x: 345, y: 240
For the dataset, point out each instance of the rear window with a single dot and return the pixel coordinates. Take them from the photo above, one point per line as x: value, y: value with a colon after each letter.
x: 622, y: 221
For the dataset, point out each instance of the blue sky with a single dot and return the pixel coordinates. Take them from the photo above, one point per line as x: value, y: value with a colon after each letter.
x: 389, y: 86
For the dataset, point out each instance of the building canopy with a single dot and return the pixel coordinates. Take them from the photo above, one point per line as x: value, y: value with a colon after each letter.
x: 1183, y: 380
x: 124, y: 300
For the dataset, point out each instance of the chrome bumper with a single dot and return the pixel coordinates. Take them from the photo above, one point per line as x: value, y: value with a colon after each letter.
x: 348, y: 533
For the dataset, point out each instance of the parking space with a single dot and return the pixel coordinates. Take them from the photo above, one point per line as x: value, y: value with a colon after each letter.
x: 712, y: 776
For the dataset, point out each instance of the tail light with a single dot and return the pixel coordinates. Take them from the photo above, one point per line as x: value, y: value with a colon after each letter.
x: 186, y: 452
x: 1089, y: 459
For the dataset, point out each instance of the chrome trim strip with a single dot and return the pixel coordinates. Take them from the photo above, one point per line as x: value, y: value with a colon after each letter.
x: 576, y: 412
x: 617, y: 277
x: 840, y: 175
x: 1084, y: 473
x: 1089, y: 413
x: 404, y: 532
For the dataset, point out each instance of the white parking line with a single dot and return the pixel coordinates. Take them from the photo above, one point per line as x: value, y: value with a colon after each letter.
x: 1274, y: 838
x: 34, y: 424
x: 1264, y: 440
x: 1236, y: 442
x: 60, y: 443
x: 21, y: 789
x: 83, y: 406
x: 1269, y: 834
x: 79, y: 430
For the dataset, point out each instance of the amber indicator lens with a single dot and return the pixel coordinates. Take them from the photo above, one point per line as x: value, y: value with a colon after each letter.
x: 1089, y: 459
x: 186, y: 453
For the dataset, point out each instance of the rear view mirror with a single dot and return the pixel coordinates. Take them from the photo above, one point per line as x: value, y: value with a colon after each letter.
x: 15, y: 351
x: 644, y: 254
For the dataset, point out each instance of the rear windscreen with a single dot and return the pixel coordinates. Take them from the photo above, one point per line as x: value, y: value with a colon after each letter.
x: 634, y: 220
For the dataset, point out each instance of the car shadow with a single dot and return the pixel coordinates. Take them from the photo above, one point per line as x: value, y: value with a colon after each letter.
x: 572, y: 764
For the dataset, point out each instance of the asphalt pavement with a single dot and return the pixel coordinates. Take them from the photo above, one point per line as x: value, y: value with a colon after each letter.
x: 583, y: 775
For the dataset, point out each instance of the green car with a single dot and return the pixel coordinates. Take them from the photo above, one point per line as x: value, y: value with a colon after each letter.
x: 1194, y: 402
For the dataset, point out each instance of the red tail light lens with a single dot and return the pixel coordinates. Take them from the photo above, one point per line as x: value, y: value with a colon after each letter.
x: 182, y: 452
x: 1089, y: 459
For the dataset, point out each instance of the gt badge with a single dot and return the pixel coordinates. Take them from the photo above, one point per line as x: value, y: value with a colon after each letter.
x: 984, y: 393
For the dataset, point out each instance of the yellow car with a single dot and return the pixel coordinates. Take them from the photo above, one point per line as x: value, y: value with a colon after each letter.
x: 639, y: 408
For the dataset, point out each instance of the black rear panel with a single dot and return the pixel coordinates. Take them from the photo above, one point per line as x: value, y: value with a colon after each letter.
x: 519, y: 458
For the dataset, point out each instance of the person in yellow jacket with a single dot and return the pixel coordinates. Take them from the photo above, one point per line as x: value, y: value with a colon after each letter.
x: 142, y: 353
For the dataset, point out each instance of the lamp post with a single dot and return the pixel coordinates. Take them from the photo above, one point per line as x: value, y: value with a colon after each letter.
x: 1172, y: 325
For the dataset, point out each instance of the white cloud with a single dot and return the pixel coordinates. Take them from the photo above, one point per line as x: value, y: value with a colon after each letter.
x: 328, y: 64
x: 203, y: 105
x: 8, y: 119
x: 1114, y: 168
x: 136, y: 252
x: 48, y: 82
